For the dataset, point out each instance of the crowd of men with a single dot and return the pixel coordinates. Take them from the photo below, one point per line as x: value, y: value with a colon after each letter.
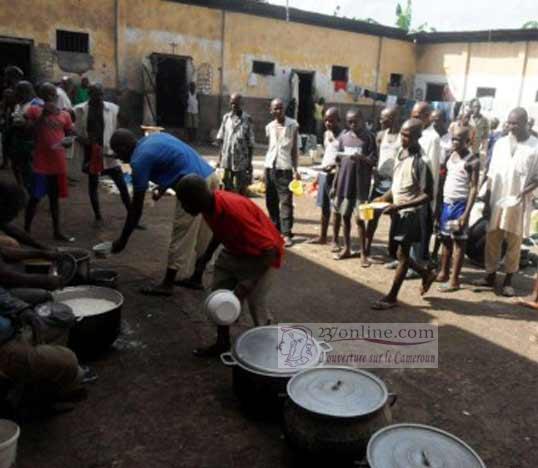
x: 425, y: 173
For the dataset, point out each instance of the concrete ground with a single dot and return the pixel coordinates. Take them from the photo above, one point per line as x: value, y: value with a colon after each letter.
x: 156, y: 406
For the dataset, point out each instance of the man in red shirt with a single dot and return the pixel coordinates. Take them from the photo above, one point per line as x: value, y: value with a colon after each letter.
x: 50, y: 126
x: 253, y: 249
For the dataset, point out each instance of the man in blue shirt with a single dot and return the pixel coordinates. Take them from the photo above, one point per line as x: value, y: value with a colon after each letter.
x: 164, y: 160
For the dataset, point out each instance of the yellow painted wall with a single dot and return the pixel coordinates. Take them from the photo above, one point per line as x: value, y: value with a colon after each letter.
x: 39, y: 19
x: 306, y: 48
x: 151, y: 26
x: 440, y: 59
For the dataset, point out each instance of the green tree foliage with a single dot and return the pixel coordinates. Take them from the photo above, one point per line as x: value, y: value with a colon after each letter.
x: 531, y: 25
x: 404, y: 16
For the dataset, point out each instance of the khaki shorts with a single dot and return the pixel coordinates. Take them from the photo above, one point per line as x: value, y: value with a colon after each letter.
x: 190, y: 237
x: 191, y: 120
x: 231, y: 270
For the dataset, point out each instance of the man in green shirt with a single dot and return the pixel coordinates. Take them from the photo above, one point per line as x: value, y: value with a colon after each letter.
x: 82, y: 93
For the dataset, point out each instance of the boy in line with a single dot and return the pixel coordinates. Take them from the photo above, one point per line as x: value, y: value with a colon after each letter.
x: 459, y: 188
x: 358, y: 157
x: 412, y: 187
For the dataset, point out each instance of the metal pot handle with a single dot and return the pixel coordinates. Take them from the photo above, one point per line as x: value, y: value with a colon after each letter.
x: 325, y: 346
x: 392, y: 399
x: 228, y: 360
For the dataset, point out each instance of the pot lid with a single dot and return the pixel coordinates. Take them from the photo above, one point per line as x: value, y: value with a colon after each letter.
x: 418, y: 446
x: 277, y: 350
x: 341, y: 392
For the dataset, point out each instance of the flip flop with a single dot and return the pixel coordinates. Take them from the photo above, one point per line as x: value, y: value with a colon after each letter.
x: 336, y: 249
x: 155, y: 291
x: 366, y: 264
x: 508, y: 291
x: 316, y: 241
x: 383, y: 305
x: 427, y: 283
x: 343, y: 256
x: 446, y: 288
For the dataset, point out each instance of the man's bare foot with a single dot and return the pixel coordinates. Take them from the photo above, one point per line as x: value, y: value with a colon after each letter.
x: 441, y: 278
x: 529, y: 303
x: 384, y: 304
x: 63, y: 238
x: 427, y: 282
x: 365, y: 262
x: 318, y: 241
x: 336, y: 247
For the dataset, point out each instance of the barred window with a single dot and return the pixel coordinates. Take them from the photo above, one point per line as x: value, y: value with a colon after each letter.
x: 69, y: 41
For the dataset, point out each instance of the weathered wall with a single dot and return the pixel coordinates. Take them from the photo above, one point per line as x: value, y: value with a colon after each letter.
x: 39, y: 19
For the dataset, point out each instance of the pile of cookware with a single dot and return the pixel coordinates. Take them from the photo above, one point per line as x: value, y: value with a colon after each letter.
x: 94, y: 332
x: 335, y: 413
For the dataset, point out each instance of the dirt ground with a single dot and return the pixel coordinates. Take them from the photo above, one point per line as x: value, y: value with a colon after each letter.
x: 156, y: 406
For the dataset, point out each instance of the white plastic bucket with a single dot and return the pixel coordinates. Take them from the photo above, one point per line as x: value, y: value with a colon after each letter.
x: 9, y: 434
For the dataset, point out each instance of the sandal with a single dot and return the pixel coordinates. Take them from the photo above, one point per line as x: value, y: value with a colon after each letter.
x: 508, y: 291
x: 383, y: 305
x: 447, y: 288
x: 427, y: 282
x: 157, y: 291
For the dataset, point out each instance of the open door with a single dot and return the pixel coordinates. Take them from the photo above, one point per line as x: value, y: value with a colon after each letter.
x: 18, y: 52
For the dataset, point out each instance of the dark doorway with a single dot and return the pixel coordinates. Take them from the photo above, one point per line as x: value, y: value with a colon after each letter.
x: 305, y: 113
x: 434, y: 92
x: 171, y: 90
x: 16, y: 52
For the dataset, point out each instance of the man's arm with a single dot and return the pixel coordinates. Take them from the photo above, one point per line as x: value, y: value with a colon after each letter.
x: 15, y: 254
x: 295, y: 154
x: 473, y: 192
x: 12, y: 279
x: 133, y: 218
x: 23, y: 237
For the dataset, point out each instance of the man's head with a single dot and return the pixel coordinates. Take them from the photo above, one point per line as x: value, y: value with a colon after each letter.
x: 48, y: 92
x: 494, y: 123
x: 24, y: 92
x: 321, y: 101
x: 235, y: 103
x: 332, y: 118
x: 66, y: 84
x: 422, y: 111
x: 96, y: 94
x: 8, y: 96
x: 277, y: 109
x: 439, y: 122
x: 476, y: 107
x: 85, y: 82
x: 12, y: 200
x: 411, y: 132
x: 460, y: 139
x: 194, y: 195
x: 354, y: 120
x: 12, y: 75
x: 518, y: 124
x: 192, y: 87
x: 388, y: 118
x: 123, y: 143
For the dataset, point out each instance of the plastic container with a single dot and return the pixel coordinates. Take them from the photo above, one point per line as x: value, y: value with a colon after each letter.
x: 9, y: 435
x: 366, y: 212
x: 223, y: 307
x: 296, y: 187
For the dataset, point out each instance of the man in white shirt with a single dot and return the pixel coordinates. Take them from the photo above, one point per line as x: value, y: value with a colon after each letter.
x: 281, y: 163
x: 96, y: 121
x: 64, y: 101
x: 193, y: 108
x: 430, y: 143
x: 513, y: 173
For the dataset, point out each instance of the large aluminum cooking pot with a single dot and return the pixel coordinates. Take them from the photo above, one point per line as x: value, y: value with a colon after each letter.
x: 94, y: 331
x: 333, y: 411
x: 265, y: 358
x: 418, y: 446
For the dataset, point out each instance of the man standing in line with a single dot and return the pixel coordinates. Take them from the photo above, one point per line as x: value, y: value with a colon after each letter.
x: 193, y: 108
x: 165, y: 160
x: 430, y: 143
x: 253, y: 250
x: 513, y: 173
x: 236, y: 137
x: 96, y: 121
x: 389, y: 144
x: 481, y: 126
x: 281, y: 162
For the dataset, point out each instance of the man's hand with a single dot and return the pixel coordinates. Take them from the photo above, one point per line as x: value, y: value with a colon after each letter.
x: 296, y: 174
x: 462, y: 222
x: 118, y: 245
x: 391, y: 209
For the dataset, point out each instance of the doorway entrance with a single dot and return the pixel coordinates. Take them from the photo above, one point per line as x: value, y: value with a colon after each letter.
x: 171, y: 83
x: 305, y: 112
x: 16, y: 52
x: 435, y: 92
